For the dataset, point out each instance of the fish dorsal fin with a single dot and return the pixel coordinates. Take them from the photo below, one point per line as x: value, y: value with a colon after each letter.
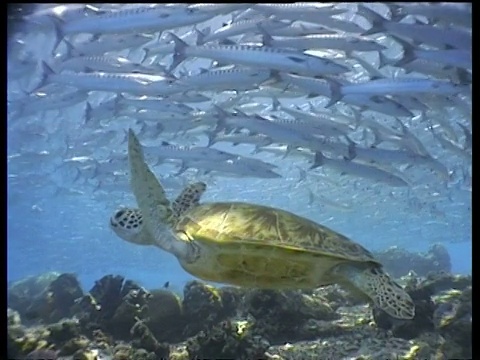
x: 188, y: 198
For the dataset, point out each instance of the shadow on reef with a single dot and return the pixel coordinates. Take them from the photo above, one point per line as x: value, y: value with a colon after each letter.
x: 118, y: 319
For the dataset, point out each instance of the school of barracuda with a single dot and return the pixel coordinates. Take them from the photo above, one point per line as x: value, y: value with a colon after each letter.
x: 377, y: 94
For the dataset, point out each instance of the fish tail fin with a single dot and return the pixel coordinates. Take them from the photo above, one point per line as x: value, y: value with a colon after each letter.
x: 201, y: 35
x: 183, y: 167
x: 357, y: 115
x: 377, y: 21
x: 335, y: 92
x: 408, y: 52
x: 211, y: 136
x: 45, y: 73
x: 318, y: 161
x: 88, y: 112
x: 302, y: 174
x: 274, y: 78
x: 396, y: 13
x: 117, y: 104
x: 384, y: 61
x: 464, y: 77
x: 71, y: 51
x: 352, y: 149
x: 179, y: 51
x: 375, y: 29
x: 57, y: 25
x: 266, y: 37
x: 221, y: 115
x: 275, y: 104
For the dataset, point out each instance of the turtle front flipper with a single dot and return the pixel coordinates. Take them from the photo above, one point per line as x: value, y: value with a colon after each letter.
x: 380, y: 288
x: 188, y: 198
x: 151, y: 199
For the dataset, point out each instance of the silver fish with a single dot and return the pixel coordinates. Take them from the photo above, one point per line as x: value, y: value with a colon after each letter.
x: 106, y: 110
x: 397, y: 86
x: 225, y: 79
x: 157, y: 104
x: 360, y: 170
x: 453, y: 57
x: 262, y: 57
x: 459, y: 14
x: 298, y: 29
x: 328, y: 89
x: 236, y: 167
x: 431, y: 69
x: 43, y: 102
x: 426, y: 34
x: 238, y: 138
x: 101, y: 44
x: 319, y: 122
x: 169, y: 151
x: 142, y: 84
x: 241, y: 28
x: 140, y: 18
x: 298, y: 10
x: 346, y: 43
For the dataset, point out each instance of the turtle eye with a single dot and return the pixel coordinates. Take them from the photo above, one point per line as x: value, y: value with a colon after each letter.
x: 119, y: 214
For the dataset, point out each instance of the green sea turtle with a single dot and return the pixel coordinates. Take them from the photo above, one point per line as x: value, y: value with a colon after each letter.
x: 250, y: 245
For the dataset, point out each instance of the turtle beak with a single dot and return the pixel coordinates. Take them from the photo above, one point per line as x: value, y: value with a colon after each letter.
x: 112, y: 223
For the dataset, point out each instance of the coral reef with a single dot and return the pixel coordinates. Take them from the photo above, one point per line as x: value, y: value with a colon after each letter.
x: 49, y: 297
x: 118, y: 319
x: 202, y: 306
x: 280, y: 315
x: 164, y: 315
x: 113, y: 305
x: 227, y: 340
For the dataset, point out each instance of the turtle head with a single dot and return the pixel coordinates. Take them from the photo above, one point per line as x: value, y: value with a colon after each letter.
x: 127, y: 223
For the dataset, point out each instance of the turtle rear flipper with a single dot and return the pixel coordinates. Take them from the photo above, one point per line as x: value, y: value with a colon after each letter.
x: 380, y: 288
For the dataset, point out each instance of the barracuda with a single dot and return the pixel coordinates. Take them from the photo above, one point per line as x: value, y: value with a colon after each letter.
x: 133, y: 83
x: 141, y: 18
x: 426, y: 34
x: 225, y: 79
x: 111, y: 64
x: 242, y: 28
x: 328, y: 89
x: 398, y: 86
x: 346, y: 43
x: 454, y: 57
x: 361, y: 170
x: 100, y: 44
x: 169, y: 151
x: 262, y: 57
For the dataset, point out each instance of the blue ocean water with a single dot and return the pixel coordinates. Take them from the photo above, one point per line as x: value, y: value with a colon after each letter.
x: 58, y: 213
